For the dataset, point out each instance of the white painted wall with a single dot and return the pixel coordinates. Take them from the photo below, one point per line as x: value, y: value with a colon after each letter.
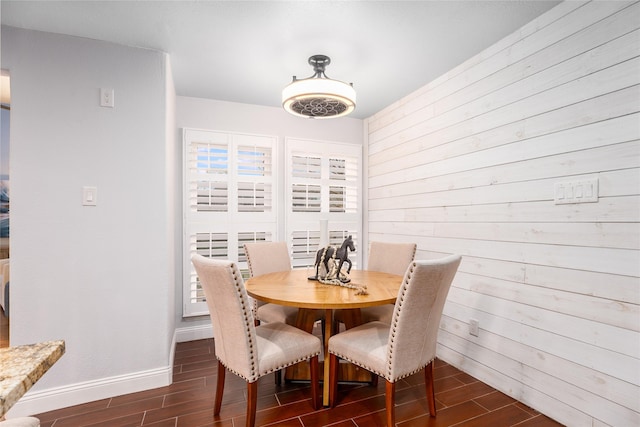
x: 209, y: 114
x: 101, y: 278
x: 467, y: 164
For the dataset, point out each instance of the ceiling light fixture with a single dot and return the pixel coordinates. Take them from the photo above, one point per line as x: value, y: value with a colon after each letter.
x: 319, y: 97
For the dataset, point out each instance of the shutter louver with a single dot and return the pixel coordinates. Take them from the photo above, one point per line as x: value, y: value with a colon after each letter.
x: 305, y: 244
x: 254, y: 197
x: 306, y: 186
x: 306, y: 167
x: 208, y: 170
x: 212, y: 245
x: 306, y: 198
x: 254, y: 179
x: 211, y: 196
x: 254, y: 161
x: 343, y: 196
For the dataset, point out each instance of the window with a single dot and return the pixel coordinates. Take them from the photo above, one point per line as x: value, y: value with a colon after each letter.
x: 228, y: 201
x: 231, y: 188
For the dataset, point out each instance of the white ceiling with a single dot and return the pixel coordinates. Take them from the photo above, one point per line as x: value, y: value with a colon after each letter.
x: 247, y: 51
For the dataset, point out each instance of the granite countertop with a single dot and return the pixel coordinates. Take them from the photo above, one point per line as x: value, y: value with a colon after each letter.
x: 21, y: 366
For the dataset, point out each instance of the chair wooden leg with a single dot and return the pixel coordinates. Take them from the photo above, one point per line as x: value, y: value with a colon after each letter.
x: 219, y: 388
x: 315, y: 382
x: 334, y: 365
x: 252, y: 403
x: 390, y: 403
x: 278, y: 377
x: 431, y: 392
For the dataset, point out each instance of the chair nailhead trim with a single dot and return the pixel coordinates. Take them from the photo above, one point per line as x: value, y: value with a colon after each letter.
x: 394, y: 321
x: 388, y: 375
x: 248, y: 319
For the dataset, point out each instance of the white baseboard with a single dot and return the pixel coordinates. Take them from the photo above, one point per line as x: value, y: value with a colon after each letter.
x: 194, y: 333
x: 75, y: 394
x: 35, y: 402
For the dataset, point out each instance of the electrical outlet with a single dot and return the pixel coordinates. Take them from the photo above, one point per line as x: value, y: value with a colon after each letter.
x: 106, y: 98
x: 474, y: 327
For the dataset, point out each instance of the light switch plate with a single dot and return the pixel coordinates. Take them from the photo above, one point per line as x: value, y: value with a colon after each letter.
x: 89, y: 196
x: 583, y: 191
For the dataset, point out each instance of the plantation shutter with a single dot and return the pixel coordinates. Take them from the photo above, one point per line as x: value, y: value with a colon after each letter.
x: 229, y: 199
x: 322, y: 183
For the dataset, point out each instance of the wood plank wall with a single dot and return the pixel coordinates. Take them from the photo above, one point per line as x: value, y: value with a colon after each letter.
x: 468, y: 164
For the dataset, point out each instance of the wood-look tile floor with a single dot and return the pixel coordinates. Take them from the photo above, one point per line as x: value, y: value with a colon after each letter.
x: 188, y: 402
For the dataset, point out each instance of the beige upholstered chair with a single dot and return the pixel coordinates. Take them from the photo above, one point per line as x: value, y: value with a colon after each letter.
x: 407, y: 345
x: 391, y: 258
x: 269, y: 257
x: 243, y: 348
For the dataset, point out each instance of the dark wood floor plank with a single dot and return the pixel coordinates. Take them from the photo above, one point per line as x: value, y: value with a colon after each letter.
x: 285, y: 412
x: 107, y: 414
x: 504, y: 417
x: 347, y: 423
x: 178, y: 410
x: 357, y: 392
x: 494, y: 400
x: 527, y: 408
x: 205, y: 364
x: 165, y: 423
x: 404, y: 412
x: 345, y: 411
x: 201, y: 418
x: 192, y: 385
x: 295, y: 422
x: 126, y: 421
x: 540, y: 421
x: 444, y: 384
x: 447, y: 416
x: 195, y: 358
x: 464, y: 393
x: 74, y: 410
x: 293, y: 394
x: 465, y: 378
x: 199, y: 373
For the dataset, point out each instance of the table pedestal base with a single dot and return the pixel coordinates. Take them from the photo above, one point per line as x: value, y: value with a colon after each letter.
x: 348, y: 372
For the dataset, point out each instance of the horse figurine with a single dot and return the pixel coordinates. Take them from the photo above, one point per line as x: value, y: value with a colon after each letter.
x: 339, y: 257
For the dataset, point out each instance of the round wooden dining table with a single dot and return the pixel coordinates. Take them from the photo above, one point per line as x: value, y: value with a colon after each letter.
x: 295, y: 288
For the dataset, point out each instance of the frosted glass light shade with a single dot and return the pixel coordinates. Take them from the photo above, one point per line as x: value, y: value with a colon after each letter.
x: 319, y: 98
